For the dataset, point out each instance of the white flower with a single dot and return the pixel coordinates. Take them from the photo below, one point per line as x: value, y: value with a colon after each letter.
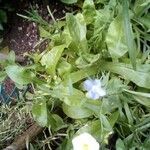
x: 95, y: 91
x: 85, y: 142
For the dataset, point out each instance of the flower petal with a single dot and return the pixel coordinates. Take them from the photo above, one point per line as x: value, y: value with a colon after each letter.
x: 88, y: 84
x: 92, y: 94
x: 102, y: 92
x: 85, y: 140
x: 97, y: 82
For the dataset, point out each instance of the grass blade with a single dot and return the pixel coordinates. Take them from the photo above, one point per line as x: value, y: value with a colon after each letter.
x: 129, y: 34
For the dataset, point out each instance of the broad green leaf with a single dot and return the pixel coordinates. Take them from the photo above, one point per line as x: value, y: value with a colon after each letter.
x: 129, y: 34
x: 86, y: 60
x: 113, y: 118
x: 103, y: 17
x: 147, y: 143
x: 93, y: 128
x: 65, y: 145
x: 3, y: 16
x: 77, y: 28
x: 55, y: 122
x: 62, y: 38
x: 19, y: 74
x: 76, y: 112
x: 89, y: 11
x: 51, y: 58
x: 69, y: 1
x: 140, y: 77
x: 64, y: 67
x: 115, y: 86
x: 120, y: 145
x: 66, y: 37
x: 44, y: 33
x: 105, y: 123
x: 115, y: 38
x: 111, y: 103
x: 40, y: 114
x: 81, y: 74
x: 95, y: 106
x: 69, y: 95
x: 105, y: 106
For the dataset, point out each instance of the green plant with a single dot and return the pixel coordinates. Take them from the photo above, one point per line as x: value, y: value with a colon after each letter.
x: 107, y: 41
x: 3, y: 18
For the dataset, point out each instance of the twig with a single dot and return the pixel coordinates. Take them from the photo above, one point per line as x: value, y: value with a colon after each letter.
x: 30, y: 134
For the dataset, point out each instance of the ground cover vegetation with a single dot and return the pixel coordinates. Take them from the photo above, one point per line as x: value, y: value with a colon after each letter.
x: 92, y: 79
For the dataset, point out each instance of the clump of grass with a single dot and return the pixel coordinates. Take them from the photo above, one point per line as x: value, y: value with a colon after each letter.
x: 13, y: 121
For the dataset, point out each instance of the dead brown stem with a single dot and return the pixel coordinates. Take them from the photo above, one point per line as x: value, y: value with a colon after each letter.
x: 30, y: 134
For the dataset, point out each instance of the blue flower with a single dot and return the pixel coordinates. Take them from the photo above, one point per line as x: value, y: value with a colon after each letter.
x: 94, y: 89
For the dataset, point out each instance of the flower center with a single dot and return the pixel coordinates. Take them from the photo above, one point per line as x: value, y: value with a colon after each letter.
x: 85, y: 147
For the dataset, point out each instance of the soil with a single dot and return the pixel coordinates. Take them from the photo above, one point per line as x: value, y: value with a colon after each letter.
x: 23, y: 35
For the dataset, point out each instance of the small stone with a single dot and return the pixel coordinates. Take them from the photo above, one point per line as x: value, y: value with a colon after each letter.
x: 29, y: 43
x: 34, y: 25
x: 20, y: 28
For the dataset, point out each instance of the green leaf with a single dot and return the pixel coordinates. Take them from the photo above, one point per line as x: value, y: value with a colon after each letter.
x: 19, y: 74
x: 59, y: 121
x: 63, y: 68
x: 115, y: 86
x: 51, y: 58
x: 11, y: 57
x: 2, y: 76
x: 140, y: 6
x: 65, y: 145
x: 129, y: 34
x: 77, y: 28
x: 93, y: 128
x: 55, y: 122
x: 103, y: 17
x: 140, y: 77
x: 3, y: 16
x: 145, y: 20
x: 113, y: 118
x: 44, y: 33
x: 147, y: 143
x: 39, y: 111
x: 81, y: 74
x: 115, y: 38
x: 69, y: 1
x: 89, y: 11
x: 69, y: 95
x: 120, y: 145
x: 87, y: 60
x: 76, y: 112
x: 31, y: 147
x: 63, y: 37
x: 1, y: 27
x: 128, y: 113
x: 142, y: 98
